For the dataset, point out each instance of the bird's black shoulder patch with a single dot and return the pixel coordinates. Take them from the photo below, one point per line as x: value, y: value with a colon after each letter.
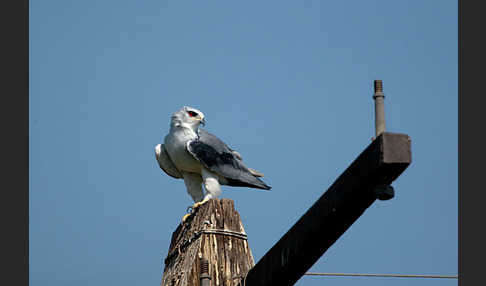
x: 209, y: 156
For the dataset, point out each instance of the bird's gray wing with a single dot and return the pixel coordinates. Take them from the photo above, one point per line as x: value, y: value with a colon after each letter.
x: 216, y: 156
x: 238, y: 156
x: 165, y: 162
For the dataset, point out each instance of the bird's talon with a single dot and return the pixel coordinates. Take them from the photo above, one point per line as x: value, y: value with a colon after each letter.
x: 185, y: 217
x: 198, y: 204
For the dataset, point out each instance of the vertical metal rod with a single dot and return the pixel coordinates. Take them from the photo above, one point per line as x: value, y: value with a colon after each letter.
x: 204, y: 278
x: 383, y: 192
x: 379, y: 98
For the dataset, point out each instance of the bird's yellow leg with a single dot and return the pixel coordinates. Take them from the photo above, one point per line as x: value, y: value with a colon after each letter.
x: 198, y: 204
x: 194, y: 207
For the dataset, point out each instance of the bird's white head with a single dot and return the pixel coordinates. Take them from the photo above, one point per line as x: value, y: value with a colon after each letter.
x: 187, y: 117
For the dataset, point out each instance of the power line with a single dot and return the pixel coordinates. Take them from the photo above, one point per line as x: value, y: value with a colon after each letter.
x: 381, y: 275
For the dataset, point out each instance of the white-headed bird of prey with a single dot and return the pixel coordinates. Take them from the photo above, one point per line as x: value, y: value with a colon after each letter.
x: 200, y: 158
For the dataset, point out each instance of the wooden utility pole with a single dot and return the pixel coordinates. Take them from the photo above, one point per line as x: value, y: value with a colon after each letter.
x: 210, y: 248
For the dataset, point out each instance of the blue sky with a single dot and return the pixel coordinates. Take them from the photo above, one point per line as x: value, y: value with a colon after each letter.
x: 288, y: 84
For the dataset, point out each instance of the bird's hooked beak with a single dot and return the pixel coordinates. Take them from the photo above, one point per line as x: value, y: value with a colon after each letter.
x: 203, y: 121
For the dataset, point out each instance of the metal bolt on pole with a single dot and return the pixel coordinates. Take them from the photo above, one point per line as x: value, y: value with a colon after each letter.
x: 384, y: 192
x: 205, y: 279
x: 379, y: 98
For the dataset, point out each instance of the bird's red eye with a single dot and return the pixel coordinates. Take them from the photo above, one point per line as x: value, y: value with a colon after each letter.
x: 192, y: 113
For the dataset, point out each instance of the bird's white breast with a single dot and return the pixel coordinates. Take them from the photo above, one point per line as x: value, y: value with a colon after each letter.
x: 175, y: 143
